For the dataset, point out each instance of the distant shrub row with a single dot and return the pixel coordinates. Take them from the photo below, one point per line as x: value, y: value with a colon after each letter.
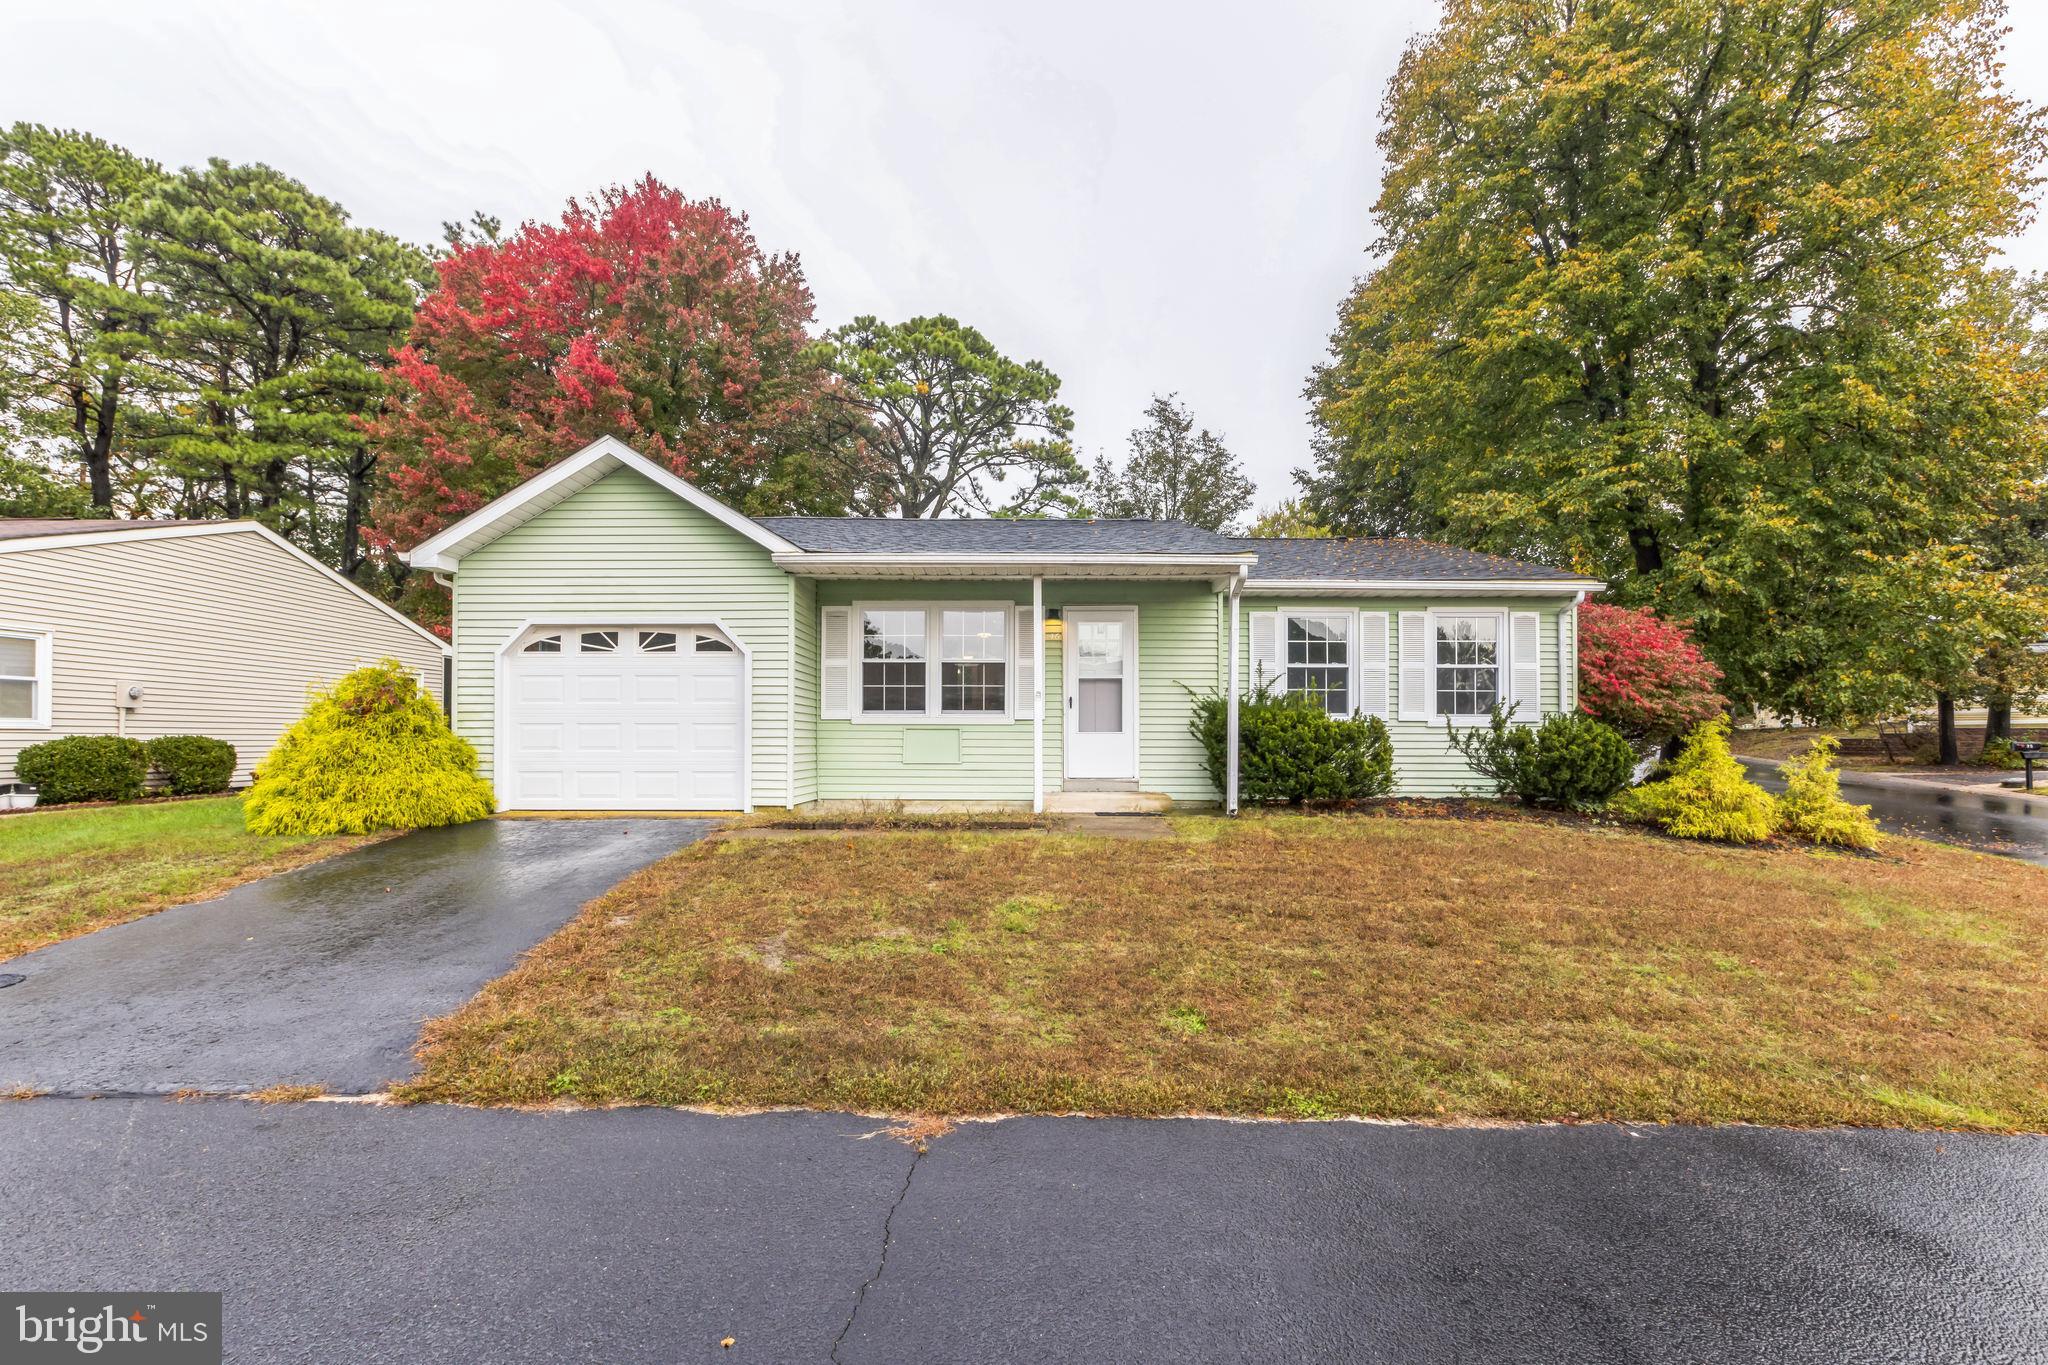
x: 108, y: 768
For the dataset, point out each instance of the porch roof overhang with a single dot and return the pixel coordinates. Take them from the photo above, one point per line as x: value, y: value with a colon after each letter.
x: 1218, y: 570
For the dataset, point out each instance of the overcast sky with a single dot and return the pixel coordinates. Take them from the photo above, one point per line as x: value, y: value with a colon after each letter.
x: 1146, y: 198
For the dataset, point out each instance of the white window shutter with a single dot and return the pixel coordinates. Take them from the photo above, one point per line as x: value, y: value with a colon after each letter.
x: 835, y: 663
x: 1371, y: 667
x: 1024, y: 665
x: 1415, y: 665
x: 1266, y: 669
x: 1526, y: 687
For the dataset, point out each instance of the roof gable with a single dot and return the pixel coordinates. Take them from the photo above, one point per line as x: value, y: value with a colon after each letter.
x: 558, y: 483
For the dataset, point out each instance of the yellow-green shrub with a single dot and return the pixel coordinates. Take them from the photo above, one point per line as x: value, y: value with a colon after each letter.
x: 372, y: 752
x: 1812, y: 806
x: 1707, y: 795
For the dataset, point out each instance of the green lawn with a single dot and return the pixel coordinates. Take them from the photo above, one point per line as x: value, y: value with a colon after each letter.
x: 1395, y: 965
x: 69, y: 872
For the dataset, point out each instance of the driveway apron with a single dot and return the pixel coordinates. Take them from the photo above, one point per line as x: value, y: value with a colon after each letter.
x: 320, y: 976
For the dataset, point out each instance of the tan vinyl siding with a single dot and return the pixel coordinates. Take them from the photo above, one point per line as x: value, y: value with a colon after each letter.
x: 225, y: 632
x: 627, y: 549
x: 1424, y: 762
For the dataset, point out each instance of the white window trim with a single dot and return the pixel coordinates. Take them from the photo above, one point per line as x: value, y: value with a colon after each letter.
x: 43, y: 682
x: 1349, y: 617
x: 1503, y: 665
x: 934, y: 645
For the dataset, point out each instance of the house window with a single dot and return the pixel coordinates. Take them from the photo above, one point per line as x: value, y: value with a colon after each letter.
x: 1467, y: 665
x: 1319, y: 659
x: 546, y: 644
x: 657, y: 642
x: 23, y: 688
x: 943, y: 661
x: 892, y: 661
x: 971, y: 661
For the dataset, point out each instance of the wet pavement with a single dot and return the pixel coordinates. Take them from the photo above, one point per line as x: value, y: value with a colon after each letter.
x: 319, y: 976
x: 2010, y: 823
x: 341, y: 1231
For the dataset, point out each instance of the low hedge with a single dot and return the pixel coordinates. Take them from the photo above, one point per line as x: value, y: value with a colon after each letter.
x: 84, y: 768
x: 1290, y: 749
x: 192, y: 765
x: 1571, y: 760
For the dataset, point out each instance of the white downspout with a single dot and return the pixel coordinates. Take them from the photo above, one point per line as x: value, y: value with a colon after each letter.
x: 1230, y: 708
x: 1037, y: 695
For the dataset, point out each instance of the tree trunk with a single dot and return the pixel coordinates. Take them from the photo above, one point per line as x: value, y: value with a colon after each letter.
x: 1998, y: 719
x: 1649, y: 552
x: 1945, y: 731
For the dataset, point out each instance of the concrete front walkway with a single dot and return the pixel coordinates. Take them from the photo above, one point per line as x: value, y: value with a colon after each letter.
x: 349, y: 1232
x: 320, y: 976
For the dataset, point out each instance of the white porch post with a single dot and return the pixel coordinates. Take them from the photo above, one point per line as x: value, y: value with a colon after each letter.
x: 1230, y: 710
x: 1038, y: 695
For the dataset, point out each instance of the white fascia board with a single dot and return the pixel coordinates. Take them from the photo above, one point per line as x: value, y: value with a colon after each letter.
x: 1421, y: 587
x: 842, y: 564
x: 441, y: 552
x: 64, y: 540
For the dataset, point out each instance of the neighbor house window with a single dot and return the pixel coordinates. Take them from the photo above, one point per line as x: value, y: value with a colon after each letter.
x: 24, y: 691
x: 1319, y: 659
x: 892, y: 661
x: 971, y: 661
x: 935, y: 662
x: 1467, y: 665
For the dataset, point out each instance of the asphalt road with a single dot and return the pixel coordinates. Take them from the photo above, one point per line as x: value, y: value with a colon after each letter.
x: 445, y: 1234
x: 319, y: 976
x: 2011, y: 823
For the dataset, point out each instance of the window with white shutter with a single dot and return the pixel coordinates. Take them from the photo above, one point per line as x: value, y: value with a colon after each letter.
x: 1266, y: 669
x: 1526, y: 680
x: 835, y: 663
x: 1024, y: 696
x: 1371, y: 668
x: 1415, y: 703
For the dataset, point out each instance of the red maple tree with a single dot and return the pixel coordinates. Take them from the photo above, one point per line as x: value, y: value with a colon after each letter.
x: 1643, y: 674
x: 642, y: 315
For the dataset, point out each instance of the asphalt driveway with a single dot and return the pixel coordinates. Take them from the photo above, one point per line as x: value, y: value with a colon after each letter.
x: 319, y: 976
x: 341, y: 1231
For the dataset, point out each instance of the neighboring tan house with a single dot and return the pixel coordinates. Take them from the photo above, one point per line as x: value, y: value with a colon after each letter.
x: 147, y: 628
x: 624, y: 641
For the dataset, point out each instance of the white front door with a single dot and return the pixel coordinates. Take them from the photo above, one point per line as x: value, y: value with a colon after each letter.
x: 622, y: 718
x: 1101, y: 671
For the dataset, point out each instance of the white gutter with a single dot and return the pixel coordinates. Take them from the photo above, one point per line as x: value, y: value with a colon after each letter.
x: 827, y: 564
x: 1422, y: 587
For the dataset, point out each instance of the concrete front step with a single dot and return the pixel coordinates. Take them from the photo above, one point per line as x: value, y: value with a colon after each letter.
x: 1107, y: 803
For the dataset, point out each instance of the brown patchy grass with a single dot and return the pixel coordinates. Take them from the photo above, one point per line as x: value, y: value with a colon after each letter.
x: 1412, y: 967
x: 68, y: 872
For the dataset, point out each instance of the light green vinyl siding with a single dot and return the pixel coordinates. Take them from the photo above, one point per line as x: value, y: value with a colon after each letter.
x: 626, y: 549
x: 1424, y: 762
x: 806, y: 593
x: 1178, y: 643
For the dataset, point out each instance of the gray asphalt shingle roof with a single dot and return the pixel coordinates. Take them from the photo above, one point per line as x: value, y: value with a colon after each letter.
x: 996, y: 536
x: 22, y: 528
x: 1378, y: 557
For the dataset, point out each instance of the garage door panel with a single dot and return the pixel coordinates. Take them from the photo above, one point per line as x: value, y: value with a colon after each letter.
x: 662, y: 737
x: 626, y: 730
x: 657, y: 689
x: 598, y: 689
x: 535, y: 688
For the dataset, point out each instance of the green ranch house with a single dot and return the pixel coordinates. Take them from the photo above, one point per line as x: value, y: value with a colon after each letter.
x: 624, y: 641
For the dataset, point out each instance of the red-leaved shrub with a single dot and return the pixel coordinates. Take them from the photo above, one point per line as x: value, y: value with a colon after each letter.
x: 1643, y: 674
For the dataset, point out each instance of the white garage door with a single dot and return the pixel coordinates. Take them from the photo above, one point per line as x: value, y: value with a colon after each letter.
x: 624, y: 718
